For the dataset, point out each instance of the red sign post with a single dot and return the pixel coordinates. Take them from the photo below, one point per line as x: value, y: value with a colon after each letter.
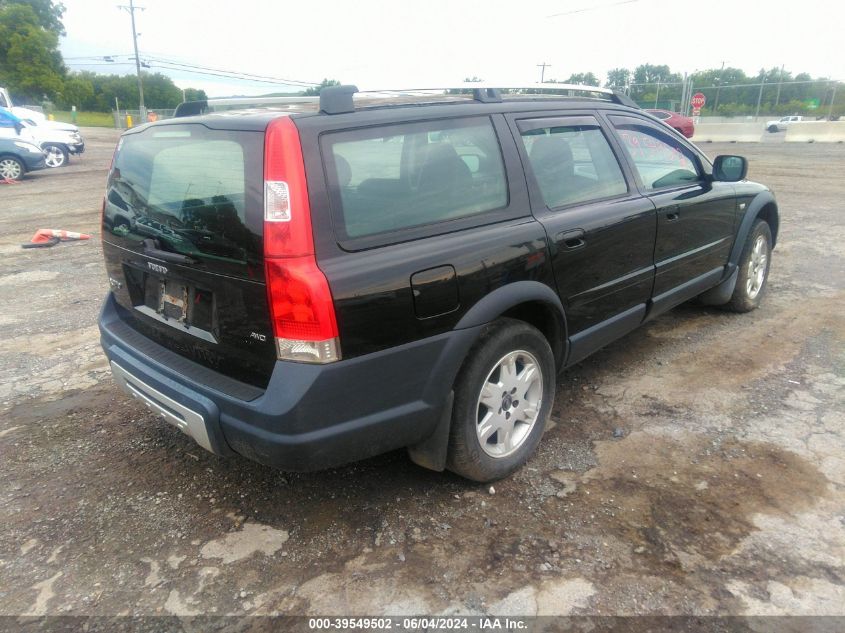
x: 697, y: 102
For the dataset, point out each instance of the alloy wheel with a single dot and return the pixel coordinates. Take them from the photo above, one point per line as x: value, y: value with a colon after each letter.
x: 55, y: 157
x: 757, y: 265
x: 10, y: 169
x: 509, y: 403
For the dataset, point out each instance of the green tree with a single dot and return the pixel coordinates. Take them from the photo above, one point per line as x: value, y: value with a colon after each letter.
x: 192, y: 94
x: 651, y: 74
x: 30, y: 62
x: 583, y: 79
x: 618, y: 78
x: 160, y: 91
x: 49, y: 15
x: 315, y: 91
x: 77, y: 91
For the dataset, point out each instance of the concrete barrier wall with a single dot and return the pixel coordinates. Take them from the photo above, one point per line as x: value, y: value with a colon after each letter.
x: 729, y: 132
x: 816, y: 132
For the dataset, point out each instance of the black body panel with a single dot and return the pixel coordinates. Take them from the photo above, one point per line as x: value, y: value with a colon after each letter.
x: 237, y: 341
x: 411, y: 303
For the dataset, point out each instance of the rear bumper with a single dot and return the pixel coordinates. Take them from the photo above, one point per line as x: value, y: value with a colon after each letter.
x: 310, y: 416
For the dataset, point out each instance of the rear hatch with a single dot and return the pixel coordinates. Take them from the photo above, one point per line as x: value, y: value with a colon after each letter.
x: 183, y: 243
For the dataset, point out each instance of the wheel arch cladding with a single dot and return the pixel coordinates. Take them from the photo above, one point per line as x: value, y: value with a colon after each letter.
x: 769, y: 213
x: 533, y: 302
x: 763, y: 206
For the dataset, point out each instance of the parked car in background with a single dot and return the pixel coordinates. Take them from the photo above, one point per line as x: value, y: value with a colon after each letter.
x: 683, y: 124
x: 779, y: 125
x: 58, y: 140
x: 18, y: 156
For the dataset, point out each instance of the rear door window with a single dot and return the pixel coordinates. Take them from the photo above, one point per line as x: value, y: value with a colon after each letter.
x: 394, y: 178
x: 571, y: 161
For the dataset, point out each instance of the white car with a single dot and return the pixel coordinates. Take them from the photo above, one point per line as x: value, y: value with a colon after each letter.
x: 57, y: 140
x: 779, y: 125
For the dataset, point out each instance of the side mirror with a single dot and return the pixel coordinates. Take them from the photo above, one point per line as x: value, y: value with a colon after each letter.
x: 730, y: 168
x: 18, y: 127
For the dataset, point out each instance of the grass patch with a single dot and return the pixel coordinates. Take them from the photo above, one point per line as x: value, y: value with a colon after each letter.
x: 86, y: 119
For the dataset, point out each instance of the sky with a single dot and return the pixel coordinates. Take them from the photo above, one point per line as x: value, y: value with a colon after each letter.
x: 402, y: 44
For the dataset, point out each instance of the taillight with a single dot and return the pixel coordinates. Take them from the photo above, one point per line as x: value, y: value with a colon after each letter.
x: 298, y: 293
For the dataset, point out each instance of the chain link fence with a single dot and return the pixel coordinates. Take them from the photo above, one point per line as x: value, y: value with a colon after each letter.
x: 817, y: 99
x: 124, y: 119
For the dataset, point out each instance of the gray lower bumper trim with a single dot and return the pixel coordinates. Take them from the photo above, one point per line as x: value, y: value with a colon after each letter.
x: 189, y: 422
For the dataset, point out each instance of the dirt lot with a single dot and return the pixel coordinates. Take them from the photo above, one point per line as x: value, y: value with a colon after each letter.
x: 724, y: 494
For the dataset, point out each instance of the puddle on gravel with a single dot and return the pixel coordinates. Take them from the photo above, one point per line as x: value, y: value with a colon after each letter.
x: 680, y: 501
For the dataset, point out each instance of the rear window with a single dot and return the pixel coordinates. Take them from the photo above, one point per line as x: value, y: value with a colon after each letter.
x: 192, y: 191
x: 398, y: 177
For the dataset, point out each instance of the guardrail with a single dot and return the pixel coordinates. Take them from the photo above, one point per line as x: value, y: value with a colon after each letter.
x: 816, y: 132
x: 729, y: 132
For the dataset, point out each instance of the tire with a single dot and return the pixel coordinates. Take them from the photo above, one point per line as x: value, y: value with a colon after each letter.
x: 512, y: 354
x: 56, y: 155
x: 773, y: 129
x: 753, y: 274
x: 11, y: 168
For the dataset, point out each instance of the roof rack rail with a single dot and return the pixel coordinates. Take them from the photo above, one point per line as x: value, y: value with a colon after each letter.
x: 338, y: 99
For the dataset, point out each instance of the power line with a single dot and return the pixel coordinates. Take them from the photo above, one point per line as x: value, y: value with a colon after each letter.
x: 585, y: 9
x: 170, y: 64
x: 155, y: 64
x: 297, y: 82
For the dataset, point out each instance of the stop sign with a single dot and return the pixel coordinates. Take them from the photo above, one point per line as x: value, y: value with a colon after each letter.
x: 697, y: 100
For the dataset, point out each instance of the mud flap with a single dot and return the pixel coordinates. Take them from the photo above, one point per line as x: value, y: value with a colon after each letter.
x: 431, y: 452
x: 722, y: 293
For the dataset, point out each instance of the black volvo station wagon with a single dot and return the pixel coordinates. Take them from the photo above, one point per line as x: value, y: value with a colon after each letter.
x: 315, y: 281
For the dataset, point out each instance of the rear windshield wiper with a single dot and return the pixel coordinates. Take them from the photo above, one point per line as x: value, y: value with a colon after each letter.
x: 151, y: 248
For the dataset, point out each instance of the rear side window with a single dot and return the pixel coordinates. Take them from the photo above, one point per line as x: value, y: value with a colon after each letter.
x: 398, y: 177
x: 572, y: 163
x: 660, y: 160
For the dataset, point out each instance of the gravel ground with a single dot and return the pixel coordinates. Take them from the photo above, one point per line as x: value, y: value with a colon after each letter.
x: 697, y: 466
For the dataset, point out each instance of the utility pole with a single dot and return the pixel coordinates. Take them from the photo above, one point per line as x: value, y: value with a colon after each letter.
x: 780, y: 82
x: 719, y: 87
x: 759, y: 98
x: 542, y: 68
x: 131, y: 10
x: 657, y: 94
x: 832, y: 99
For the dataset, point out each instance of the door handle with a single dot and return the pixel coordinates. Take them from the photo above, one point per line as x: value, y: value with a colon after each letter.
x: 673, y: 214
x: 570, y: 240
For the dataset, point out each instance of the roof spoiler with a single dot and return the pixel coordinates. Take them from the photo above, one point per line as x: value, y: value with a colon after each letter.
x: 191, y: 108
x: 622, y: 99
